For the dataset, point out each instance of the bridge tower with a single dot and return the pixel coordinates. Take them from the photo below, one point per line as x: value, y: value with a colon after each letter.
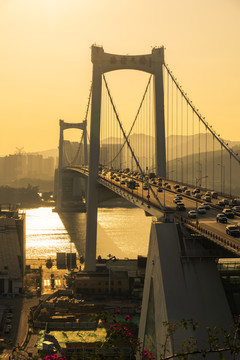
x: 63, y: 126
x: 102, y: 63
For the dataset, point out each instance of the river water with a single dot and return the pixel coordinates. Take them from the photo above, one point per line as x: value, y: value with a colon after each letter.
x: 123, y: 232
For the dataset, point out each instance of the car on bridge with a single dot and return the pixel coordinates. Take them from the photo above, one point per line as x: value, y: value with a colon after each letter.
x: 177, y: 199
x: 187, y: 192
x: 192, y: 214
x: 235, y: 202
x: 214, y: 194
x: 221, y: 218
x: 236, y: 209
x: 197, y: 195
x: 207, y: 198
x: 208, y: 193
x: 201, y: 210
x: 220, y: 203
x: 207, y: 206
x: 178, y: 196
x: 233, y: 230
x: 131, y: 184
x: 159, y: 189
x: 229, y: 213
x: 180, y: 206
x: 195, y: 191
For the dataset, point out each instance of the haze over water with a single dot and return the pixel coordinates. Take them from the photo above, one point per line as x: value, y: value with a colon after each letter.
x: 123, y: 232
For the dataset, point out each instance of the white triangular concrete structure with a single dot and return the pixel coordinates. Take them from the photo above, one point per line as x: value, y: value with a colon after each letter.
x: 179, y: 287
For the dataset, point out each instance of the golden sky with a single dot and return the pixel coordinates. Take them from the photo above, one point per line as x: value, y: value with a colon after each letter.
x: 45, y: 71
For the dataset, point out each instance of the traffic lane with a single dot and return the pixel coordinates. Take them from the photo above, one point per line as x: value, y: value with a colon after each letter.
x: 172, y: 183
x: 209, y: 223
x: 190, y: 204
x: 219, y: 229
x: 206, y: 221
x: 166, y: 196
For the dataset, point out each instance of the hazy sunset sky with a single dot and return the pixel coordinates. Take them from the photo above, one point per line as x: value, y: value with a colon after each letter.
x: 46, y: 67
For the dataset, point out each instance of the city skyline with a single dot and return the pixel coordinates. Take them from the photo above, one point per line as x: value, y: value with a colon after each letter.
x: 46, y: 62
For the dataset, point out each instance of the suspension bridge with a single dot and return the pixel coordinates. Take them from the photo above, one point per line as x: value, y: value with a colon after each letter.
x: 168, y: 139
x: 169, y: 149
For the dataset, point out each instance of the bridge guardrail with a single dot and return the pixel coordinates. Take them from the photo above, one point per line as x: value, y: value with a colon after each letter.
x: 225, y: 242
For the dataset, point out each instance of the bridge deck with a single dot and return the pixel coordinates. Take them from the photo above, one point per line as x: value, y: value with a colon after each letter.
x: 204, y: 224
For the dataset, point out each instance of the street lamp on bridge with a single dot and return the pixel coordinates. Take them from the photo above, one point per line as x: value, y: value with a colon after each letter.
x: 199, y: 179
x: 222, y: 177
x: 198, y: 182
x: 181, y: 161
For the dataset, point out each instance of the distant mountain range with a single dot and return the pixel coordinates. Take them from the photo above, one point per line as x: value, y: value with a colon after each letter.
x: 176, y: 145
x: 46, y: 153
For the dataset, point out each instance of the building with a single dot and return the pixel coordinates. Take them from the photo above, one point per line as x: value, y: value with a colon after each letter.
x: 115, y: 278
x: 12, y: 252
x: 14, y: 167
x: 19, y: 166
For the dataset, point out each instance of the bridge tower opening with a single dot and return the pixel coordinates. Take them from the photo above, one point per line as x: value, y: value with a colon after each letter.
x: 64, y: 126
x: 102, y: 63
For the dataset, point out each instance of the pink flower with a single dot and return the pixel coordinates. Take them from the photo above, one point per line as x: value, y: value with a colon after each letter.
x: 127, y: 317
x: 117, y: 311
x: 174, y: 325
x: 129, y: 334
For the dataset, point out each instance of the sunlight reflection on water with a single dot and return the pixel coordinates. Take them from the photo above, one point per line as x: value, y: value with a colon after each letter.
x: 123, y: 232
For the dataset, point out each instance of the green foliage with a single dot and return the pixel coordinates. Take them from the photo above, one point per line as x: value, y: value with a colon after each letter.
x: 220, y: 341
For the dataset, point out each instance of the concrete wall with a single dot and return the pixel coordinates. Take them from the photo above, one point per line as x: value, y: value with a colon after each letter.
x: 176, y: 288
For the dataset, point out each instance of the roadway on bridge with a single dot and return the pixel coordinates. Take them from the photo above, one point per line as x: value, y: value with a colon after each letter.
x: 206, y: 221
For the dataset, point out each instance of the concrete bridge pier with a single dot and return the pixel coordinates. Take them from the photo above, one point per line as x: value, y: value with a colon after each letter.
x: 179, y: 286
x: 72, y: 193
x: 67, y: 185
